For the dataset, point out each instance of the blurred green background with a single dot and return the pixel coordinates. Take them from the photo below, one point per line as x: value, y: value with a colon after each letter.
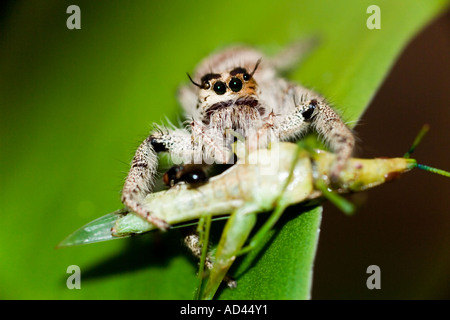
x: 76, y: 103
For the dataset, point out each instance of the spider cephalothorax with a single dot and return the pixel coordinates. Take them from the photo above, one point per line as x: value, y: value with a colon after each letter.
x: 230, y: 100
x: 236, y: 91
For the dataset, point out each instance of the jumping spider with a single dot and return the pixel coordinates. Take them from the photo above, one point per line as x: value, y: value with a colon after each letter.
x: 236, y: 89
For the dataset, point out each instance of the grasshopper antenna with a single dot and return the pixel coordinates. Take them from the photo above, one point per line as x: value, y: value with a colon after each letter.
x: 423, y: 131
x: 433, y: 170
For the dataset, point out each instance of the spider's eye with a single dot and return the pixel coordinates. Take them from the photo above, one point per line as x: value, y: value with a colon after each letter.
x: 206, y: 85
x: 220, y: 87
x: 246, y: 76
x: 235, y: 84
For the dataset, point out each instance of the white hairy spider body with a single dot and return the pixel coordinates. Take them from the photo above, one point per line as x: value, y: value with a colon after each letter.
x: 237, y: 90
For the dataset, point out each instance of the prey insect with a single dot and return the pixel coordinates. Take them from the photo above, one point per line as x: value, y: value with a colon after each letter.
x: 244, y: 190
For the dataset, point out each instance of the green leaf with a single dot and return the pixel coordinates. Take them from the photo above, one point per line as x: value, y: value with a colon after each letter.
x: 76, y: 103
x: 282, y: 267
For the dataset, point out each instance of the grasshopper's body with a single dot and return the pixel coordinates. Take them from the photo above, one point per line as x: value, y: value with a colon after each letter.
x: 251, y: 186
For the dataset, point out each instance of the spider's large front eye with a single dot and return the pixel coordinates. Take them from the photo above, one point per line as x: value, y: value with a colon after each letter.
x: 220, y: 87
x: 235, y: 84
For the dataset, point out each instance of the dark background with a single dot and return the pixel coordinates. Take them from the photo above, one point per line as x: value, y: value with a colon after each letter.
x: 404, y: 226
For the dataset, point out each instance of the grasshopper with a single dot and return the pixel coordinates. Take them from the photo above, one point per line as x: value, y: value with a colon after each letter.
x: 250, y: 187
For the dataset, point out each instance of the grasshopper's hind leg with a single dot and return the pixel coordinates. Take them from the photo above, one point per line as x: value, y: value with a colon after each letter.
x: 234, y: 235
